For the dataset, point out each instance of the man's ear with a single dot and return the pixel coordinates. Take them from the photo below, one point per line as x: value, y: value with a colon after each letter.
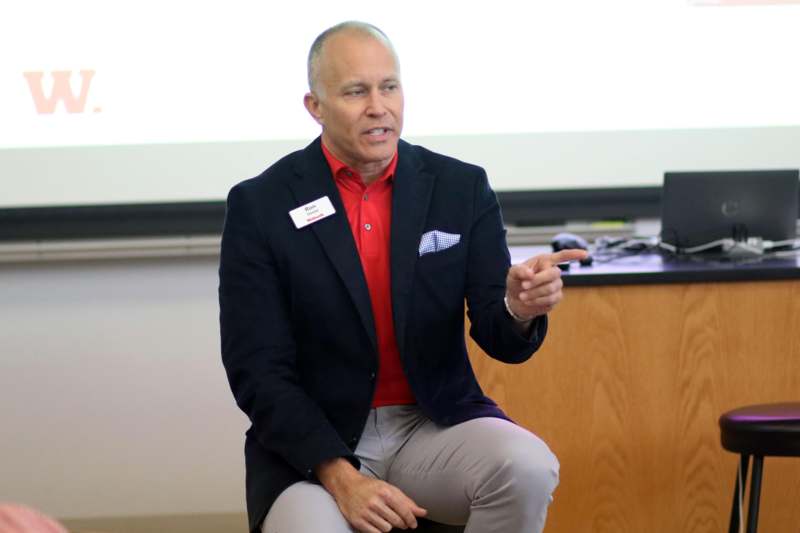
x: 311, y: 102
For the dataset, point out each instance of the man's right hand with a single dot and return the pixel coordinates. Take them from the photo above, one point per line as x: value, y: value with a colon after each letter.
x: 369, y: 505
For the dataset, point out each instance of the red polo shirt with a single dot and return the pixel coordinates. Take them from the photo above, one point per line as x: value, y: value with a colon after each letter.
x: 369, y: 212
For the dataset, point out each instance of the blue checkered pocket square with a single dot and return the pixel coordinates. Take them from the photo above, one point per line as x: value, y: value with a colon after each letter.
x: 436, y: 241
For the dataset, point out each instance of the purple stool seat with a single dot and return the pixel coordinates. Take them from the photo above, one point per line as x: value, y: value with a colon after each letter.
x: 769, y: 429
x: 758, y: 431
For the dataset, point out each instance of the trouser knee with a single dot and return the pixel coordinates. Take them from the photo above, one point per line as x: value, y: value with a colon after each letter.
x: 524, y: 476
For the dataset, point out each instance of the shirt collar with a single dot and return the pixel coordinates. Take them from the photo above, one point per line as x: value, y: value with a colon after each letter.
x: 342, y: 171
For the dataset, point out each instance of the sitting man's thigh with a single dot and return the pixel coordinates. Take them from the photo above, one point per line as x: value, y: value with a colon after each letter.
x: 450, y: 470
x: 305, y: 507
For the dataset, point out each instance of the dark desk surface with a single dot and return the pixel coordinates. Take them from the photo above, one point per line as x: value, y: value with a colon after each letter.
x: 664, y: 268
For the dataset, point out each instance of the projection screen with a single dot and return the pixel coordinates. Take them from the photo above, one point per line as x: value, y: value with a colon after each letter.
x: 170, y: 101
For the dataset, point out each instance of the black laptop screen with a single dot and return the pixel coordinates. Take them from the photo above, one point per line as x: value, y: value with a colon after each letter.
x: 702, y: 207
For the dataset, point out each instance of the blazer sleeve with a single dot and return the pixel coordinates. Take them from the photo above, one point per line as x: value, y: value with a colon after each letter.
x: 258, y: 347
x: 488, y: 263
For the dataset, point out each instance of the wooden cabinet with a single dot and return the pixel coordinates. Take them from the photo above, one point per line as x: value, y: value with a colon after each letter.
x: 627, y: 390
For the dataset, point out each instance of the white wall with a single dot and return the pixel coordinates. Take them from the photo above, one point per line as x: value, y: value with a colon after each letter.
x: 113, y: 399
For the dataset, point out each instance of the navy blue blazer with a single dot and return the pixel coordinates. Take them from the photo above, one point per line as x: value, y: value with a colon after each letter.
x: 298, y: 337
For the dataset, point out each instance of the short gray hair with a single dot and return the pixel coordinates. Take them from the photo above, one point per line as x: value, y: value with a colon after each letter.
x: 356, y: 26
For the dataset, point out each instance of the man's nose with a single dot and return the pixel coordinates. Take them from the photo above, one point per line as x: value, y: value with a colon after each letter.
x: 375, y: 105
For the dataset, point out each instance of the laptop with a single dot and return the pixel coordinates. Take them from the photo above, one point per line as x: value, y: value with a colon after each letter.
x: 699, y: 208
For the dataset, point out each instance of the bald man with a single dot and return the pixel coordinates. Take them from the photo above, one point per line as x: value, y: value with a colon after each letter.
x: 343, y: 276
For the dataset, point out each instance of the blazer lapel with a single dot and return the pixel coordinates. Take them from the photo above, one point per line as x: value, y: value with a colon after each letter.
x: 314, y: 181
x: 411, y: 195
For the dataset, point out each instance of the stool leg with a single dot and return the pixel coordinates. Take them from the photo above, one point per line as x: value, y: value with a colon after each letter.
x: 755, y: 493
x: 738, y: 493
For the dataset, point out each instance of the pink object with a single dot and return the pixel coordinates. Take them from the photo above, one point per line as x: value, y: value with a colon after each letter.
x: 15, y: 518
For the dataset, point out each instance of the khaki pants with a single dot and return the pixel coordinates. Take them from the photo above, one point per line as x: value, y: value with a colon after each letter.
x: 487, y: 473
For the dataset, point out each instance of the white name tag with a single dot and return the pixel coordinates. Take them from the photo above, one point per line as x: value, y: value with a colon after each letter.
x: 312, y: 212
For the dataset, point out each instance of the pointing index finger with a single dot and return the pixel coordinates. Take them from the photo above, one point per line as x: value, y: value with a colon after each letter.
x: 565, y: 255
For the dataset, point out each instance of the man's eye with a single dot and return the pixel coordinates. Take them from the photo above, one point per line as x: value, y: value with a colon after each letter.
x: 354, y: 92
x: 391, y: 87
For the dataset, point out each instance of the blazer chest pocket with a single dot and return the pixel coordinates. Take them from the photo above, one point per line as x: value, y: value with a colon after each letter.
x: 442, y: 254
x: 436, y: 241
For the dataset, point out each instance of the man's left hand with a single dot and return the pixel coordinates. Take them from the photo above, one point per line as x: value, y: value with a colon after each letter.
x: 533, y: 288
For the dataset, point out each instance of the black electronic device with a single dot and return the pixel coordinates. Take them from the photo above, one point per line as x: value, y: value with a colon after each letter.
x: 570, y: 241
x: 702, y: 208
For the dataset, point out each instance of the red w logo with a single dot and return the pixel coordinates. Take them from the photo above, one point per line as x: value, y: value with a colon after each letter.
x: 62, y: 91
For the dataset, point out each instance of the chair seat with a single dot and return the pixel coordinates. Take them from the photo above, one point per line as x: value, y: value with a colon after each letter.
x: 765, y: 430
x: 427, y: 526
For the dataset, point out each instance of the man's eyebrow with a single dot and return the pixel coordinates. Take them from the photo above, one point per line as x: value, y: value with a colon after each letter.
x: 353, y: 84
x: 360, y: 83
